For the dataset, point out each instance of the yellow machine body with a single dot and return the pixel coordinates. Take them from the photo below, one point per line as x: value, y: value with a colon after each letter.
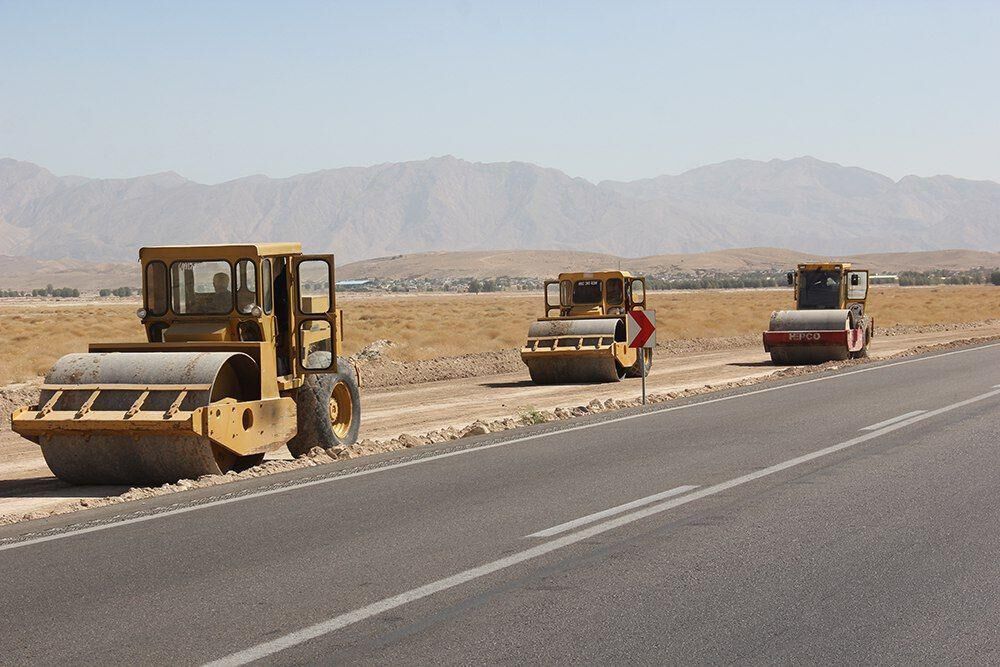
x: 582, y: 336
x: 231, y: 334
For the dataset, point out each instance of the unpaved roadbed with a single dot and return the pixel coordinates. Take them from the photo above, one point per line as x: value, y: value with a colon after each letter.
x: 378, y: 369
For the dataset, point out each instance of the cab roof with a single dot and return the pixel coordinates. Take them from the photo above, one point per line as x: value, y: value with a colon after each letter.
x: 221, y: 250
x: 594, y: 275
x: 824, y: 266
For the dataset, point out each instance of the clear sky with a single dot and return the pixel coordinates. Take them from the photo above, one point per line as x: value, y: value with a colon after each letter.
x: 602, y: 90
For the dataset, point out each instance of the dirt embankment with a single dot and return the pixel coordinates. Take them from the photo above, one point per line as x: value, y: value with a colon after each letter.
x: 377, y: 370
x: 14, y: 396
x: 381, y: 372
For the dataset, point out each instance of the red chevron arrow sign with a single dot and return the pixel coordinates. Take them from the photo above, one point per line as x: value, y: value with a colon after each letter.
x: 640, y: 328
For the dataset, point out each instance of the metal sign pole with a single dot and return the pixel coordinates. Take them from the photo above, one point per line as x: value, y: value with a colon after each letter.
x: 642, y: 360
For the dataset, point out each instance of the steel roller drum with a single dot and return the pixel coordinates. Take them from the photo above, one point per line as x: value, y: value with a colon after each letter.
x: 810, y: 320
x: 569, y: 365
x: 595, y: 327
x: 92, y: 454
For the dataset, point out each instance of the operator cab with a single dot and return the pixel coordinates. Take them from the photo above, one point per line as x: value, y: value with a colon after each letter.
x: 828, y: 286
x: 241, y: 294
x: 594, y: 294
x: 187, y: 299
x: 819, y: 290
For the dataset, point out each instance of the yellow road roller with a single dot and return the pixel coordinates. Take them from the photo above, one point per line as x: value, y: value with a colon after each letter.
x: 829, y: 322
x: 241, y: 357
x: 582, y: 336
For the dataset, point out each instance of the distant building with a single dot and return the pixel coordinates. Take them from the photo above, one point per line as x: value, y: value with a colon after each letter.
x: 884, y: 279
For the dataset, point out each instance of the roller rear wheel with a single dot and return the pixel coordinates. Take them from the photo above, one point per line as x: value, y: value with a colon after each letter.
x: 328, y: 408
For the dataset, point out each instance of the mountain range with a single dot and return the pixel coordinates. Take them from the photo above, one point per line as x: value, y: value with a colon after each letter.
x: 26, y: 273
x: 543, y: 264
x: 447, y: 203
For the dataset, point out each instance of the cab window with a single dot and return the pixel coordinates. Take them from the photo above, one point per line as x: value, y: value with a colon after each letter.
x: 314, y: 286
x: 587, y: 291
x: 265, y: 284
x: 616, y: 291
x: 156, y: 288
x: 637, y: 292
x: 819, y: 289
x: 565, y: 292
x: 201, y: 287
x: 246, y: 286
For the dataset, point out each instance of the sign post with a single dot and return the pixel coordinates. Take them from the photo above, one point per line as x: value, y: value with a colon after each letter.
x: 640, y: 329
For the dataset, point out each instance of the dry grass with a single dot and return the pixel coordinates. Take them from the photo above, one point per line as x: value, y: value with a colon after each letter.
x: 33, y: 336
x: 432, y: 326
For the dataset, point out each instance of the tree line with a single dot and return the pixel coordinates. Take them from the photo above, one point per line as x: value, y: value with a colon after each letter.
x: 486, y: 285
x: 48, y: 290
x: 941, y: 277
x: 64, y: 292
x: 118, y: 291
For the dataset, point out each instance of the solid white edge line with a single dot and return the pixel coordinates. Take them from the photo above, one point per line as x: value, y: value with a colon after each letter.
x: 471, y: 450
x: 611, y: 511
x: 893, y: 420
x: 273, y: 646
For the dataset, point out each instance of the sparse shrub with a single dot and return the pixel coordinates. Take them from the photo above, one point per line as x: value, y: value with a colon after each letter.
x: 533, y: 416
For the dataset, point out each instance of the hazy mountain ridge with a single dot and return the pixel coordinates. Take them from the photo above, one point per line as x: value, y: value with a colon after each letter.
x: 450, y: 204
x: 27, y: 273
x: 548, y: 263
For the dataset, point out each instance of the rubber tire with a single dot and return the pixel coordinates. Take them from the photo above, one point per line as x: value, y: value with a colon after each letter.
x: 635, y: 370
x: 313, y: 407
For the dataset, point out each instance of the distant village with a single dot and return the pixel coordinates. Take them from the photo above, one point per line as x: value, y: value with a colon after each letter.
x: 678, y: 281
x: 670, y: 281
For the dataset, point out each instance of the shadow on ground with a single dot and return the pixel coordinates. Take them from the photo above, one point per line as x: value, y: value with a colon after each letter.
x: 50, y: 487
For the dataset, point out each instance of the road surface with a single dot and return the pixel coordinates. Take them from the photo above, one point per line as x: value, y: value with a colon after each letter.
x: 850, y: 516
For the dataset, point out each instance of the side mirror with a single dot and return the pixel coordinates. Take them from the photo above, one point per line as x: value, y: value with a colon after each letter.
x: 790, y: 277
x: 855, y: 280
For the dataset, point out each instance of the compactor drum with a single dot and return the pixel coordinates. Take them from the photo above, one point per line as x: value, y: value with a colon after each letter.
x: 830, y: 322
x: 119, y: 439
x: 585, y: 341
x: 239, y: 360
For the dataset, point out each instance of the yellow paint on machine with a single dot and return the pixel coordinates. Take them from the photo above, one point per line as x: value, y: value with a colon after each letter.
x: 234, y: 334
x: 585, y: 339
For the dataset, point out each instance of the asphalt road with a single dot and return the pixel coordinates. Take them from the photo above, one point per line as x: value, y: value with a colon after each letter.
x: 852, y: 516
